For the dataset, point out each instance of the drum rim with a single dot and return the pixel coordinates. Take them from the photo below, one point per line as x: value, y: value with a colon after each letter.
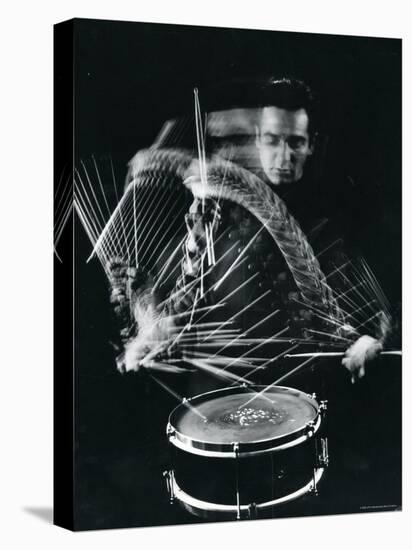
x: 196, y: 446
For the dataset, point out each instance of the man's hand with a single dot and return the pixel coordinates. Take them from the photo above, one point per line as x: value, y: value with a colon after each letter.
x: 364, y: 350
x: 117, y: 272
x: 203, y: 216
x: 124, y: 280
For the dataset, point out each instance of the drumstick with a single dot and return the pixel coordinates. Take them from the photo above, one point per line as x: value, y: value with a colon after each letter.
x: 334, y: 354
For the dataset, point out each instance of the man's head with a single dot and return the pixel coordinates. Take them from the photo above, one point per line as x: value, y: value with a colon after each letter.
x: 286, y: 130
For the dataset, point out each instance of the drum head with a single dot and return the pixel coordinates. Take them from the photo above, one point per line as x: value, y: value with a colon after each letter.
x: 254, y: 420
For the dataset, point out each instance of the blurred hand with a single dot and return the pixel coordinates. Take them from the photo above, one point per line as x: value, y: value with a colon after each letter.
x: 202, y: 213
x: 363, y: 351
x: 124, y: 280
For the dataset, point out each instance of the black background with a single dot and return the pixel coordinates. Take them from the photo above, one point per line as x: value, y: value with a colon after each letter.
x: 129, y: 79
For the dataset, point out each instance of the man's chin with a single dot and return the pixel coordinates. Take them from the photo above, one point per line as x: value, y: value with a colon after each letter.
x: 281, y: 179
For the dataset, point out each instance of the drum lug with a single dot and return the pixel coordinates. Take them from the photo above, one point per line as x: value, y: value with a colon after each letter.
x: 169, y: 431
x: 314, y: 488
x: 310, y: 428
x: 252, y: 511
x: 323, y: 452
x: 323, y: 407
x: 236, y: 451
x: 168, y: 475
x: 312, y: 396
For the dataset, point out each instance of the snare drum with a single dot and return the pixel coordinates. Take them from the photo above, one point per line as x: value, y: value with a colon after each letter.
x: 242, y: 450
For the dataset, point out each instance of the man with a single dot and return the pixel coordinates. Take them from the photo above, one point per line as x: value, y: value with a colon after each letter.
x: 285, y: 138
x: 286, y: 133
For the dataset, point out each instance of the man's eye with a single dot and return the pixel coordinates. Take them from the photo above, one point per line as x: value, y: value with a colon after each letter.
x: 296, y: 142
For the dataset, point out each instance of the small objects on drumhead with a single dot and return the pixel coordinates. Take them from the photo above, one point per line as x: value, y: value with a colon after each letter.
x: 247, y: 416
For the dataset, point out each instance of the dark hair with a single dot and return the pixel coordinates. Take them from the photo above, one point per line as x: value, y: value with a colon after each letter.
x: 291, y: 94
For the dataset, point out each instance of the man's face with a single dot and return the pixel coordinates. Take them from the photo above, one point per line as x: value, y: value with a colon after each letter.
x: 283, y: 143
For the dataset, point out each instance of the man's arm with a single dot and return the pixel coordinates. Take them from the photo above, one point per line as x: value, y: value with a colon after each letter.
x: 147, y: 330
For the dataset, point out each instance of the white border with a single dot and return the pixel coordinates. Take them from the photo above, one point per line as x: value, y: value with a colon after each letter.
x: 26, y: 270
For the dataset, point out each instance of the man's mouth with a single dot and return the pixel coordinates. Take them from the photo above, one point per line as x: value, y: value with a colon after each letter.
x: 283, y: 172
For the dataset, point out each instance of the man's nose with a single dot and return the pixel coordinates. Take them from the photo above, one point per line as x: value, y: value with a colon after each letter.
x: 284, y: 154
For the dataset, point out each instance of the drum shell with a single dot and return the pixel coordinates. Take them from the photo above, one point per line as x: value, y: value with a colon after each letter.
x: 265, y: 477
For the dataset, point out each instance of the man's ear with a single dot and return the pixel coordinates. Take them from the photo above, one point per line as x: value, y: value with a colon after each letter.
x: 257, y: 136
x: 312, y: 143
